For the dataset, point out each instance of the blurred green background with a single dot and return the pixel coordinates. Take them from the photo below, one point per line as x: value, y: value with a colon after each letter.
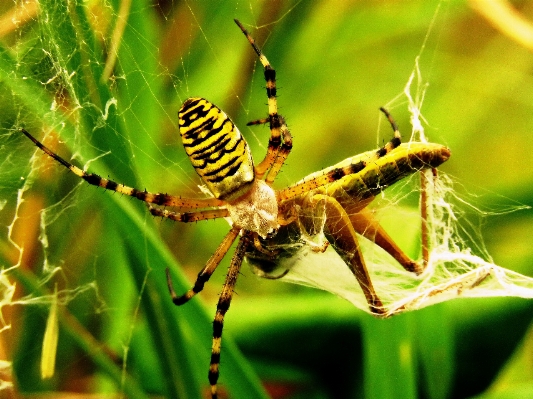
x: 337, y: 63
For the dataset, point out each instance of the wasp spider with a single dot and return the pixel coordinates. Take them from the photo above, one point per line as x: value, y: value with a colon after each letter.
x: 264, y: 218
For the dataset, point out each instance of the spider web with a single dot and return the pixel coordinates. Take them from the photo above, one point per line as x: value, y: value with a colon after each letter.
x: 100, y: 84
x: 459, y: 264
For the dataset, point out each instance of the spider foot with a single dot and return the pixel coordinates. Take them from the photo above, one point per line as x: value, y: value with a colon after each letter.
x: 178, y: 300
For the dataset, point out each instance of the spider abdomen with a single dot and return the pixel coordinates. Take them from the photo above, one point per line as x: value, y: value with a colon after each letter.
x: 216, y: 148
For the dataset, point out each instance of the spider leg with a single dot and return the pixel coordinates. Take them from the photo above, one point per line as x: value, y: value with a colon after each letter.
x: 223, y: 304
x: 282, y: 153
x: 277, y: 152
x: 143, y: 195
x: 206, y: 272
x: 340, y: 233
x: 187, y: 217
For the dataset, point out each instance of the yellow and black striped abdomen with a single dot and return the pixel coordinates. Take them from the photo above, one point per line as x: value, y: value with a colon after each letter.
x: 216, y: 148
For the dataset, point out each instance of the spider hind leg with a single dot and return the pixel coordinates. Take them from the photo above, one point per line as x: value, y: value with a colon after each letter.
x: 223, y: 305
x: 206, y: 272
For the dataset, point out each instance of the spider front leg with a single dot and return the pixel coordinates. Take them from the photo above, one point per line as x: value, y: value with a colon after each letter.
x: 187, y: 217
x: 206, y: 272
x: 142, y: 195
x: 277, y: 151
